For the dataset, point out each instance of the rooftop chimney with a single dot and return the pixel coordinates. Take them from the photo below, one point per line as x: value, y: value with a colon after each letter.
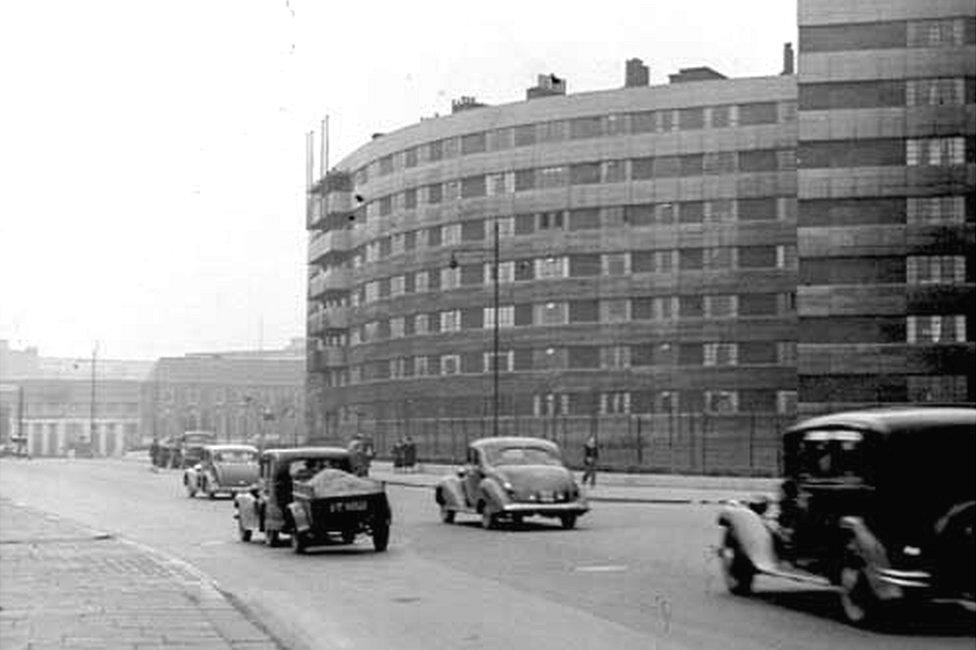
x: 701, y: 73
x: 549, y: 85
x: 637, y: 74
x: 464, y: 104
x: 787, y: 58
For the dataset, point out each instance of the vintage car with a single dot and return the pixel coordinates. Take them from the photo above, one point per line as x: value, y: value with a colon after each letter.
x: 191, y: 447
x: 878, y: 503
x: 311, y: 495
x: 511, y: 478
x: 222, y: 469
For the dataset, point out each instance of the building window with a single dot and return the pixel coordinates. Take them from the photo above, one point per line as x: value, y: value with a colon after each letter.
x: 451, y: 320
x: 616, y: 403
x: 936, y: 269
x: 421, y: 324
x: 584, y: 219
x: 473, y: 186
x: 552, y: 313
x: 497, y: 184
x: 586, y: 127
x: 614, y: 311
x: 524, y: 179
x: 615, y: 358
x: 935, y: 151
x: 720, y: 354
x: 936, y: 210
x: 757, y: 113
x: 721, y: 401
x: 584, y: 173
x: 941, y: 32
x: 505, y: 360
x: 550, y: 177
x: 473, y: 143
x: 506, y: 316
x: 614, y: 171
x: 937, y: 388
x: 721, y: 306
x: 615, y: 264
x: 451, y: 278
x: 397, y: 327
x: 719, y: 162
x: 936, y: 329
x: 935, y: 92
x: 786, y: 401
x: 435, y: 150
x: 410, y: 157
x: 547, y: 268
x: 525, y: 135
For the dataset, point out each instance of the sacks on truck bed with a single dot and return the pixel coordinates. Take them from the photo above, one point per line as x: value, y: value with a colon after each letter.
x: 335, y: 483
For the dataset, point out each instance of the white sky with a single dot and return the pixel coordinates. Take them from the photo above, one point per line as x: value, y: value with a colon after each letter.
x: 153, y: 153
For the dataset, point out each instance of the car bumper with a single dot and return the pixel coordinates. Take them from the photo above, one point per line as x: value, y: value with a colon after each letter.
x: 905, y: 579
x: 545, y: 509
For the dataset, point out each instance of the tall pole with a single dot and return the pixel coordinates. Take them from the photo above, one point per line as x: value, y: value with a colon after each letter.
x: 91, y: 412
x: 494, y: 277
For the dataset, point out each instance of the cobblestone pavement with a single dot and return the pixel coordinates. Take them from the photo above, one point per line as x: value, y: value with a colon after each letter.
x: 65, y: 586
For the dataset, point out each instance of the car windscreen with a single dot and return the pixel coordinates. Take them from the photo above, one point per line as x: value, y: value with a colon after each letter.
x: 305, y: 468
x: 234, y: 456
x: 521, y: 456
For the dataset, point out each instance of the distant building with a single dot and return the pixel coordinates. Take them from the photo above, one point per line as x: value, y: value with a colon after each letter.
x: 240, y: 395
x: 59, y: 405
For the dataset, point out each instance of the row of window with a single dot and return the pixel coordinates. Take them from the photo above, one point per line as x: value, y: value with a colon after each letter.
x: 593, y: 126
x: 874, y: 152
x: 585, y: 173
x: 718, y: 258
x: 943, y: 91
x: 550, y: 404
x: 893, y: 34
x: 893, y: 269
x: 617, y: 310
x: 930, y: 210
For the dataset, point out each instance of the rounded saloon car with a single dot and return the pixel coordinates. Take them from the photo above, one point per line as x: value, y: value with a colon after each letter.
x: 510, y: 478
x: 222, y: 469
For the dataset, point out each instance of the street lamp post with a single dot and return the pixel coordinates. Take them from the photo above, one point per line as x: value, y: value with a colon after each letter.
x: 495, y: 396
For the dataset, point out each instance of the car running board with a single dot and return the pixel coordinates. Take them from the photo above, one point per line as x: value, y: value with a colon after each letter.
x: 796, y: 576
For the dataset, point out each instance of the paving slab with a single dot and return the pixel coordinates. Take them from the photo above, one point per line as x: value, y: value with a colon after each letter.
x: 66, y: 586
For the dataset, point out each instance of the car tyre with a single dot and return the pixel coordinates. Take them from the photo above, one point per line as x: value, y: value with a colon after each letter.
x: 858, y: 602
x: 737, y: 569
x: 381, y: 537
x: 299, y: 543
x: 243, y: 533
x: 568, y: 521
x: 191, y: 488
x: 272, y: 538
x: 447, y: 515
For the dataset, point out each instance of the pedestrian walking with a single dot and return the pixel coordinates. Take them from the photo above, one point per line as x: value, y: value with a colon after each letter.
x: 590, y: 455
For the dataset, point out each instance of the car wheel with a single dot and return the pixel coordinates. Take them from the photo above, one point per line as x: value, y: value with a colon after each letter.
x: 242, y: 532
x: 381, y: 537
x: 191, y: 487
x: 489, y: 519
x: 447, y: 515
x: 272, y: 538
x: 857, y: 600
x: 568, y: 521
x: 736, y: 567
x: 298, y: 542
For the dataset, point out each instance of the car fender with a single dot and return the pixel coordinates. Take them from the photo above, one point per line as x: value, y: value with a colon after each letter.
x: 754, y: 537
x: 451, y: 493
x: 493, y: 493
x: 299, y: 515
x: 874, y: 555
x: 247, y: 511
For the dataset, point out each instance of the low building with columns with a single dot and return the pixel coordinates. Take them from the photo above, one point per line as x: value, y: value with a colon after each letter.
x: 61, y: 404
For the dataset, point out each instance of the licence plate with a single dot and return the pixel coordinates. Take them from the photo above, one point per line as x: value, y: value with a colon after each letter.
x: 348, y: 506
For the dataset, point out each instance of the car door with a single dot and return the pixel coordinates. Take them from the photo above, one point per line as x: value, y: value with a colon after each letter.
x: 472, y: 476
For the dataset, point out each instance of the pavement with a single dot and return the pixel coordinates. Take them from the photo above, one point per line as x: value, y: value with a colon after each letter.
x: 66, y: 586
x: 614, y: 487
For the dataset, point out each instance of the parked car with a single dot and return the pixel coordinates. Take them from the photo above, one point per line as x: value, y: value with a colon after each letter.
x: 222, y: 469
x: 511, y: 478
x: 878, y: 503
x: 311, y: 495
x: 191, y: 447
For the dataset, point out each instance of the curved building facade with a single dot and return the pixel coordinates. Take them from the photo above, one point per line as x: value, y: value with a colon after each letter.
x: 644, y: 241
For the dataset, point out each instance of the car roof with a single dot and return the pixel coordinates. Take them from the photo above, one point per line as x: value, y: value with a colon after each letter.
x: 299, y: 453
x: 893, y: 420
x: 514, y: 441
x: 231, y: 448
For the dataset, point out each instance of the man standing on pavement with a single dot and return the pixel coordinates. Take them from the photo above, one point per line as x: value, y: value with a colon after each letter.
x: 590, y: 455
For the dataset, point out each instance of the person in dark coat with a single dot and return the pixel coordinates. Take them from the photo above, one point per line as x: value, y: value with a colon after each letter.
x: 590, y: 455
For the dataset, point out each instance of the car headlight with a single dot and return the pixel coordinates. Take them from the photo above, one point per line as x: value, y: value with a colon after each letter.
x: 508, y: 486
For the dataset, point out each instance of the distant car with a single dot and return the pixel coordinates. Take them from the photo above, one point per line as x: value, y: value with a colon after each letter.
x: 879, y: 503
x: 191, y: 446
x: 312, y: 495
x: 227, y: 469
x: 511, y: 478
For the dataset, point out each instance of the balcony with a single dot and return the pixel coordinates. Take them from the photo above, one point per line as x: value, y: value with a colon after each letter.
x: 329, y: 241
x: 337, y: 205
x: 336, y: 279
x: 326, y: 319
x: 326, y: 358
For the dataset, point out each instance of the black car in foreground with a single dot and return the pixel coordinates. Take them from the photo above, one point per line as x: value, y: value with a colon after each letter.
x: 878, y: 503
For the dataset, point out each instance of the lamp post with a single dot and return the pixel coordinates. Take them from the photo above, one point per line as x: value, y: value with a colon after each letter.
x: 495, y: 334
